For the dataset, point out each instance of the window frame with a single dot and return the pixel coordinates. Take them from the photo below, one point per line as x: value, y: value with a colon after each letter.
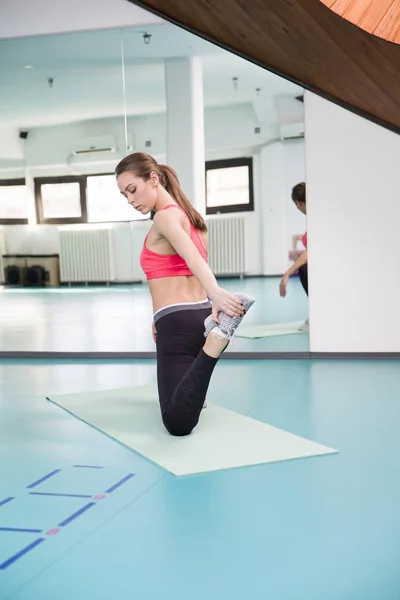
x: 82, y: 180
x: 244, y: 161
x: 13, y: 183
x: 39, y: 181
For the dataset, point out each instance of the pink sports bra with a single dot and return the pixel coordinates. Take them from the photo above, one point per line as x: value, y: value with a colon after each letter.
x: 156, y: 266
x: 304, y: 240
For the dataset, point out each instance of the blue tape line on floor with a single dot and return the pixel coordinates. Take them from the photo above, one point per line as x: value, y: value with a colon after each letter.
x: 61, y: 495
x: 117, y: 485
x: 75, y: 515
x: 18, y: 530
x: 7, y: 500
x: 22, y: 552
x: 36, y: 483
x: 87, y: 467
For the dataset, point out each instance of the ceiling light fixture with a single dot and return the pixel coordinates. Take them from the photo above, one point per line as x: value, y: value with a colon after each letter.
x: 146, y: 38
x: 28, y: 67
x: 235, y: 83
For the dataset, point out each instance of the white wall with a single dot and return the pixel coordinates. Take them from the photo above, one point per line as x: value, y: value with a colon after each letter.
x: 21, y: 18
x: 353, y: 183
x: 11, y: 146
x: 273, y: 209
x: 40, y: 239
x: 229, y: 133
x: 282, y: 165
x: 294, y: 172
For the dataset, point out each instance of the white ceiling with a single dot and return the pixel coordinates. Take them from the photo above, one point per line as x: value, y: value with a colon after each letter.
x: 22, y: 18
x: 87, y: 76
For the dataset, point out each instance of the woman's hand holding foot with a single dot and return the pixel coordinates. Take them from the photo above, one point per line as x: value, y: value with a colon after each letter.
x: 224, y: 301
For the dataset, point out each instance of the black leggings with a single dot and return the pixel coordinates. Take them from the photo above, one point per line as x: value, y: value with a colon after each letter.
x: 303, y: 275
x: 183, y: 369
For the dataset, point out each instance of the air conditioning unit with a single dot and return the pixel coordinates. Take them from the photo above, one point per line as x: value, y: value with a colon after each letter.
x: 104, y: 143
x: 292, y: 131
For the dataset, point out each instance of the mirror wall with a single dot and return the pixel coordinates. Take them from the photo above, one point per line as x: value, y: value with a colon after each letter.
x: 70, y: 107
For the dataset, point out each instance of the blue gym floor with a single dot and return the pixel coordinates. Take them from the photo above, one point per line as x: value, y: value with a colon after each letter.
x: 118, y: 318
x: 109, y: 524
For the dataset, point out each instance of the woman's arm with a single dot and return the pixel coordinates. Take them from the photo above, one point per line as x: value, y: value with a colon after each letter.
x: 296, y: 265
x: 171, y: 227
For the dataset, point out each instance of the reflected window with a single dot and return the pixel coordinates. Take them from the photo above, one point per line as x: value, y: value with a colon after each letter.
x: 229, y: 186
x: 14, y: 202
x: 105, y: 203
x: 60, y: 200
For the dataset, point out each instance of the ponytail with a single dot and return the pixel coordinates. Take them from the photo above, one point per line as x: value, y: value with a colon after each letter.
x: 170, y: 182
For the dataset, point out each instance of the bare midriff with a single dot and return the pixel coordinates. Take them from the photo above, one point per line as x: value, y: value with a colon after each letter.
x: 175, y: 290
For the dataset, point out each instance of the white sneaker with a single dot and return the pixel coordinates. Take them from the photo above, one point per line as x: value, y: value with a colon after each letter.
x: 305, y: 326
x: 228, y: 325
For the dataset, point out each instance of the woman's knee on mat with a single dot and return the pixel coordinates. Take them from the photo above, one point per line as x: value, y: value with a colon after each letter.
x: 179, y: 425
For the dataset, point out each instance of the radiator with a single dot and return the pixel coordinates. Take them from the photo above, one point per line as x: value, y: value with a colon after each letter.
x: 86, y: 255
x: 226, y: 242
x: 2, y: 252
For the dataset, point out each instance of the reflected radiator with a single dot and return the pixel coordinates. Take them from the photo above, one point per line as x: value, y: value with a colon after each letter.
x: 226, y: 242
x: 86, y: 255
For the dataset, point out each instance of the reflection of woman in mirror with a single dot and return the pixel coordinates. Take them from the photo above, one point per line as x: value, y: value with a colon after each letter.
x: 300, y: 265
x: 194, y: 318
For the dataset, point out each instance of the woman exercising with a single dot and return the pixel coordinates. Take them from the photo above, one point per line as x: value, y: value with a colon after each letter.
x: 299, y: 198
x: 181, y: 284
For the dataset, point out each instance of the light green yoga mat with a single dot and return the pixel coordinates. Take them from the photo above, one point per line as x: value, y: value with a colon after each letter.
x: 273, y: 329
x: 223, y: 439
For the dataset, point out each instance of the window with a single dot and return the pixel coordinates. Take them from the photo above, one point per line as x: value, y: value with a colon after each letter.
x: 96, y: 198
x: 229, y: 186
x: 60, y: 199
x: 105, y: 203
x: 82, y: 199
x: 14, y: 202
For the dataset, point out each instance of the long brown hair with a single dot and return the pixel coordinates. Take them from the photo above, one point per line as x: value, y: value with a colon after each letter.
x: 142, y: 165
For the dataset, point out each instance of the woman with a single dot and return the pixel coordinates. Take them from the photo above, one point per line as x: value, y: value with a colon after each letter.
x: 300, y: 265
x: 174, y: 259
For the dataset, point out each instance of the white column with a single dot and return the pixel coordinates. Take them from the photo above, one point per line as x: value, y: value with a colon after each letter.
x: 30, y: 185
x: 185, y: 126
x: 273, y: 209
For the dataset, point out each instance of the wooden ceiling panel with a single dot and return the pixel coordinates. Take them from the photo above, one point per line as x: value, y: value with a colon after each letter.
x: 378, y: 17
x: 305, y: 41
x: 389, y: 26
x: 353, y: 10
